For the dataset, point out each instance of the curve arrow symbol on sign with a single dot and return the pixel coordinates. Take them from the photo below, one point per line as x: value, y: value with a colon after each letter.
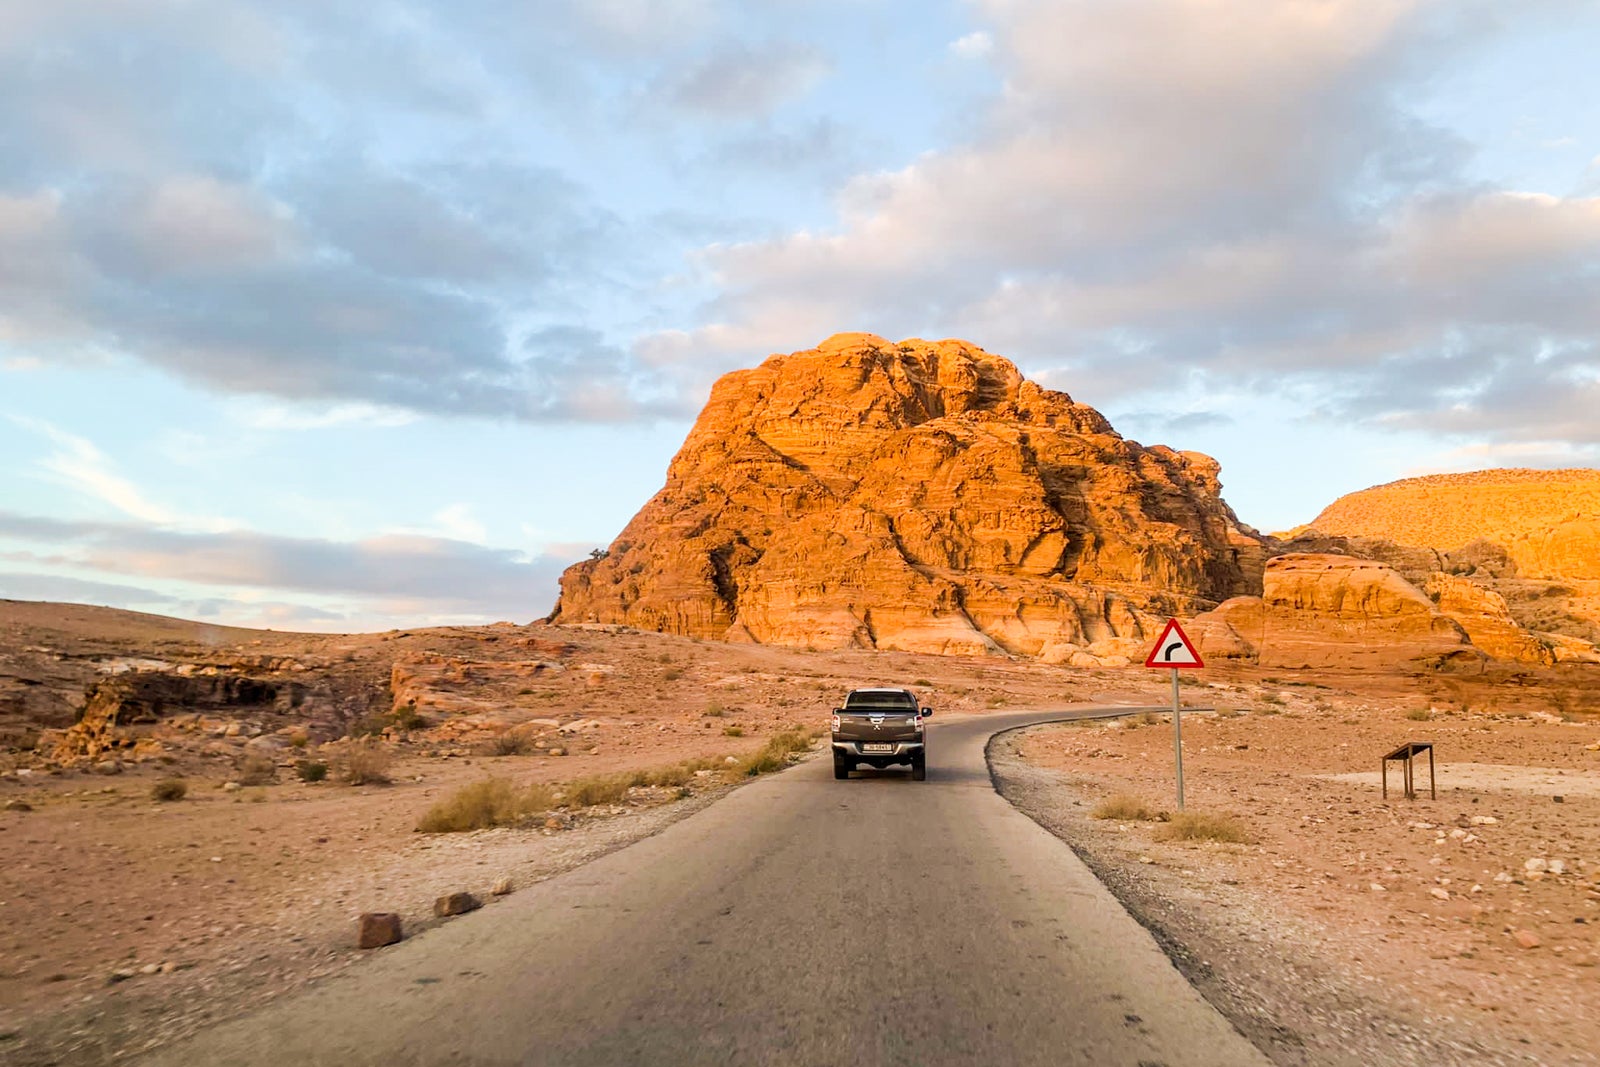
x: 1173, y: 649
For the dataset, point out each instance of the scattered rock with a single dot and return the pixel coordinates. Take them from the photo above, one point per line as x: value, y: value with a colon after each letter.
x: 502, y: 887
x: 1557, y: 867
x: 18, y: 805
x: 456, y: 904
x: 108, y: 766
x: 231, y: 787
x: 1378, y: 887
x: 121, y: 975
x: 1535, y: 866
x: 375, y: 929
x: 1527, y: 938
x: 1439, y: 894
x: 150, y: 968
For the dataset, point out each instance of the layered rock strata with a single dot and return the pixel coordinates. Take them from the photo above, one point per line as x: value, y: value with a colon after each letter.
x: 920, y: 496
x: 1331, y: 611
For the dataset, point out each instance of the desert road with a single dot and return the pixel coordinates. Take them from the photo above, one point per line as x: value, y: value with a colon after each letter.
x: 799, y: 920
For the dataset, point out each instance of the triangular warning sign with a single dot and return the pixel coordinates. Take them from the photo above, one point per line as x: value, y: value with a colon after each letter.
x: 1174, y: 649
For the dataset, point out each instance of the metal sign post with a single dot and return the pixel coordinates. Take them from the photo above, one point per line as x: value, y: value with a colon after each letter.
x: 1177, y: 736
x: 1174, y: 650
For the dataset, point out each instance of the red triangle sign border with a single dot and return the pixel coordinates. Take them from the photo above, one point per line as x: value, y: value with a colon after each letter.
x: 1165, y: 643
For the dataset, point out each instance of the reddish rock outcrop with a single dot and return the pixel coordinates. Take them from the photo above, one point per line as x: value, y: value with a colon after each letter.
x: 1531, y: 537
x: 1335, y: 611
x: 920, y: 496
x: 1548, y: 522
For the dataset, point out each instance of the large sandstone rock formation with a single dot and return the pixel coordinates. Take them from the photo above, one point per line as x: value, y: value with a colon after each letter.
x: 1547, y: 522
x: 1320, y: 610
x: 1529, y: 540
x: 918, y: 496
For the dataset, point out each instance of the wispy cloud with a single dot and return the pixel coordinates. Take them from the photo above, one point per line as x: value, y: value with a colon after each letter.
x: 443, y: 576
x: 79, y: 465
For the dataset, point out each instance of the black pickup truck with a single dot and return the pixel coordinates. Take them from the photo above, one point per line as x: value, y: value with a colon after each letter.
x: 879, y: 727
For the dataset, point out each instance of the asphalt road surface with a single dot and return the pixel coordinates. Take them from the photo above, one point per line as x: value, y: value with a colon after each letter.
x: 798, y: 921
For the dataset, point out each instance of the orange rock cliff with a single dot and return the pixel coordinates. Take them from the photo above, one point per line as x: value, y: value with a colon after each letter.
x: 920, y: 496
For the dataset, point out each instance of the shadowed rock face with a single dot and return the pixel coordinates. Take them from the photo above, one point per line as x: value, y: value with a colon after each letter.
x: 920, y: 496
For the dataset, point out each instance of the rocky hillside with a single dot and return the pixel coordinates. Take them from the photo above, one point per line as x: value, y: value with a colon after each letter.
x: 1547, y: 522
x: 1530, y: 537
x: 920, y: 496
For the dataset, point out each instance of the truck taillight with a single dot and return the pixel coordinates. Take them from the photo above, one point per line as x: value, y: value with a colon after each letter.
x: 836, y: 724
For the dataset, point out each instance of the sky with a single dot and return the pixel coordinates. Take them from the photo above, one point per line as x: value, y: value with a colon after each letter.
x: 335, y: 316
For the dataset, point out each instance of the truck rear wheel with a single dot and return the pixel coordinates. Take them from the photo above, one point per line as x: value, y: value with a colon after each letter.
x: 919, y: 769
x: 842, y: 768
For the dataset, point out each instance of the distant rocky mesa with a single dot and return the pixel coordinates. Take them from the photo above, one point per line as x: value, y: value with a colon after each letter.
x: 1514, y: 555
x: 920, y: 496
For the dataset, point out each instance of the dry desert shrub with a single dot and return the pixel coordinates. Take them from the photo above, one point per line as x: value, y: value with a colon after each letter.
x: 483, y: 804
x: 676, y: 774
x: 169, y: 789
x: 1203, y: 826
x: 364, y: 762
x: 774, y: 755
x: 1125, y: 808
x: 255, y: 769
x: 1419, y: 714
x: 597, y: 789
x: 510, y: 743
x: 311, y: 770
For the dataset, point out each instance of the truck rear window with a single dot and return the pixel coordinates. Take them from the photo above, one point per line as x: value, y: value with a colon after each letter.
x: 879, y: 701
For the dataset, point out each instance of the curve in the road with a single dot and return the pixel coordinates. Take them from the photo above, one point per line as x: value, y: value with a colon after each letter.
x: 798, y: 921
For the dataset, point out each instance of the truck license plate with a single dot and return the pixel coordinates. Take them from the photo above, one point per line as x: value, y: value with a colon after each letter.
x: 876, y: 746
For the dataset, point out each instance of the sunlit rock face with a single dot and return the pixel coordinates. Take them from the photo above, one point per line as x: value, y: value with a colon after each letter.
x: 920, y: 496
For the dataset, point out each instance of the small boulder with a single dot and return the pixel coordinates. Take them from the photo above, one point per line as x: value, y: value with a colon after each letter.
x: 375, y: 929
x: 456, y: 904
x: 502, y: 887
x: 1527, y: 939
x: 108, y: 766
x: 18, y: 805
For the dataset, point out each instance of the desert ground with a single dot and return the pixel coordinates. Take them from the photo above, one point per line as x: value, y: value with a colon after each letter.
x: 130, y: 921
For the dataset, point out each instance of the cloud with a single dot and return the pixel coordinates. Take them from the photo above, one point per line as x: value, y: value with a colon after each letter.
x: 1175, y: 196
x: 20, y: 586
x: 332, y: 209
x: 457, y: 522
x: 434, y: 574
x: 975, y: 45
x: 79, y: 465
x: 742, y: 81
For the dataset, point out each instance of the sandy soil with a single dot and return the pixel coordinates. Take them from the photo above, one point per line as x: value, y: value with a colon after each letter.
x: 1461, y: 930
x: 234, y: 897
x: 124, y: 922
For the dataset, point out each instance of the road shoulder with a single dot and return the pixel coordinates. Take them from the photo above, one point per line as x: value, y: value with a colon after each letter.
x: 1261, y: 968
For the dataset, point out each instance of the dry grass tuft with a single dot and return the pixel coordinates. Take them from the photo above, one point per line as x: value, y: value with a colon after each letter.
x: 486, y: 803
x: 1419, y: 715
x: 774, y: 755
x: 1203, y: 826
x: 1125, y: 808
x: 169, y: 789
x: 596, y: 789
x: 255, y: 770
x: 513, y: 742
x: 364, y: 762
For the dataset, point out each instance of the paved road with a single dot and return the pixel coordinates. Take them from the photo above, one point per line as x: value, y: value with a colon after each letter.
x: 799, y: 921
